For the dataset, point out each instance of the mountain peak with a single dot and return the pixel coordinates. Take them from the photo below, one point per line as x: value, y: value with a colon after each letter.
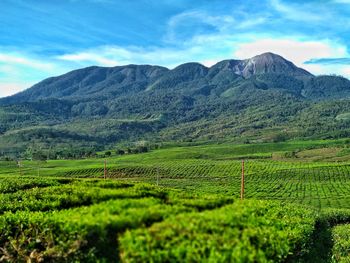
x: 269, y: 56
x: 271, y: 63
x: 261, y: 64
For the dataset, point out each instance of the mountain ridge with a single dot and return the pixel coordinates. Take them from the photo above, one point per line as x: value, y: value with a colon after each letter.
x: 146, y: 74
x: 261, y: 98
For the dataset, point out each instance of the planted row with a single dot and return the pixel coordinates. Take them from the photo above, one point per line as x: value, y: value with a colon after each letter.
x: 249, y: 231
x: 341, y: 243
x: 13, y: 184
x: 85, y: 234
x: 73, y: 195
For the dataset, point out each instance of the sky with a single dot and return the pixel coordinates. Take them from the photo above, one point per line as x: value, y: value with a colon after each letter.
x: 44, y: 38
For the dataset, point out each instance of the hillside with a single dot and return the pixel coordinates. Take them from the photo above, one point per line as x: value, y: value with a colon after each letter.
x: 263, y: 98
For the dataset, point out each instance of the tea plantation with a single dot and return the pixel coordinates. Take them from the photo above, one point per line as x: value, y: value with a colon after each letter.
x: 180, y: 204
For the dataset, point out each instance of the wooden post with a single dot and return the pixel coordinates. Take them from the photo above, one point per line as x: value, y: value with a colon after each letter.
x: 242, y: 181
x: 105, y: 170
x: 20, y: 168
x: 157, y: 176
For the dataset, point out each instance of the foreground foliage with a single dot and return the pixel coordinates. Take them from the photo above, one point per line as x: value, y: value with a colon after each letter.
x: 341, y: 248
x: 249, y: 231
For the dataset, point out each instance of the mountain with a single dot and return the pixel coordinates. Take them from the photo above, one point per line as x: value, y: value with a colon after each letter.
x: 265, y: 97
x: 262, y: 64
x: 90, y: 82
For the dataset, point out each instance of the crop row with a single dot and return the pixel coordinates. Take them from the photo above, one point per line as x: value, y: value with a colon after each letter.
x: 341, y: 247
x: 327, y: 186
x: 80, y: 234
x: 321, y: 185
x: 250, y: 231
x: 80, y: 221
x: 63, y: 197
x: 14, y: 184
x: 86, y: 220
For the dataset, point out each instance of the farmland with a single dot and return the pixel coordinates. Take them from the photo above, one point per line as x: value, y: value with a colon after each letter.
x: 181, y: 203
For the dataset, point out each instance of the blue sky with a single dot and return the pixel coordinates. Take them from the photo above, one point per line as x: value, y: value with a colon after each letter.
x: 41, y: 38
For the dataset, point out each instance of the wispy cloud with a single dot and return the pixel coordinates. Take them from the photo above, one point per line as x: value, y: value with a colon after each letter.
x: 115, y: 56
x: 24, y: 61
x: 247, y: 23
x: 19, y: 71
x: 297, y: 12
x: 340, y: 65
x: 89, y: 57
x: 329, y: 61
x: 219, y: 22
x: 191, y: 24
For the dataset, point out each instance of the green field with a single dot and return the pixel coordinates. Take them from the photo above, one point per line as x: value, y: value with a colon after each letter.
x: 181, y: 204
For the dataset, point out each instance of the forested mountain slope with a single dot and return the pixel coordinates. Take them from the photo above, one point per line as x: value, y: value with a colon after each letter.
x: 262, y: 98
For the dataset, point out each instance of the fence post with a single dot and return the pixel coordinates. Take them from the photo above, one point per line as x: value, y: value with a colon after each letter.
x: 105, y: 170
x: 242, y: 181
x: 20, y: 167
x: 157, y: 175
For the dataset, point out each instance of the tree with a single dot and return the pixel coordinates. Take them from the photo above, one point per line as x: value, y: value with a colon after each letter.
x: 39, y: 156
x: 120, y: 152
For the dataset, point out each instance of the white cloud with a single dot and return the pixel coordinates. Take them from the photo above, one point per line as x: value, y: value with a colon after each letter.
x: 346, y: 71
x: 89, y: 57
x: 10, y: 88
x: 19, y: 71
x: 322, y: 69
x: 294, y: 50
x: 209, y: 62
x: 24, y: 61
